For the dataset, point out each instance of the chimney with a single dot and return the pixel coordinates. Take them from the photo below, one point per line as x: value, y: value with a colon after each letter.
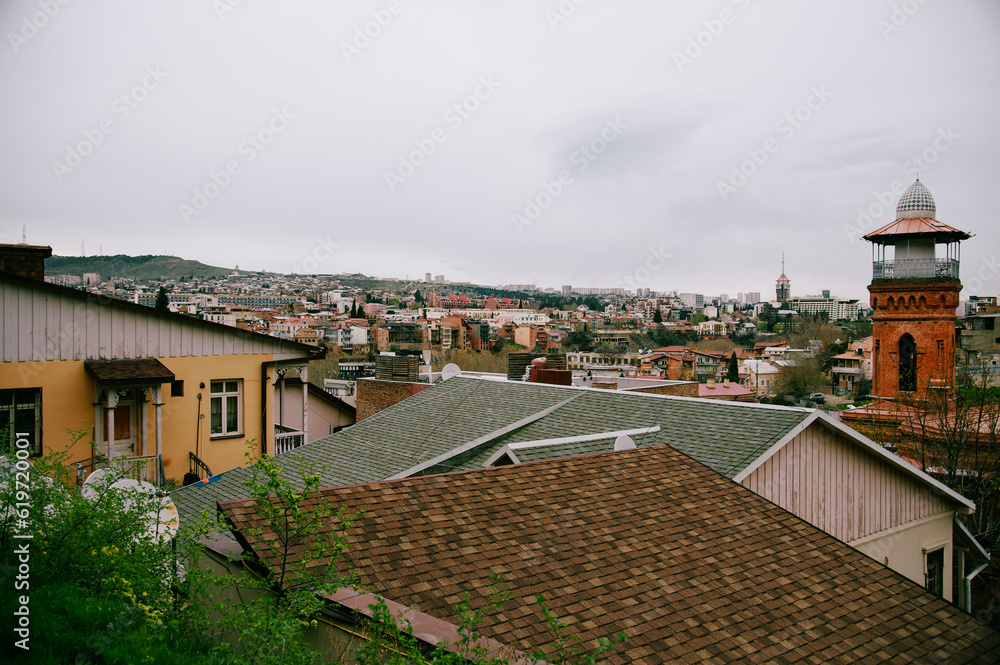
x: 710, y: 384
x: 24, y: 260
x: 533, y: 368
x: 725, y: 383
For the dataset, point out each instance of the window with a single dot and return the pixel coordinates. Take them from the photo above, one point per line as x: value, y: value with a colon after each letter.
x: 227, y: 408
x: 177, y: 388
x: 21, y: 413
x: 907, y: 363
x: 934, y: 575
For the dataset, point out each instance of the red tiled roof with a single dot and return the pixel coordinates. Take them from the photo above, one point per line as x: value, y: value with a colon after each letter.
x: 691, y: 566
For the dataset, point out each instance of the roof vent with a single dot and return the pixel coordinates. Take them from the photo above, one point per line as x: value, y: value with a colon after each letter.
x: 624, y: 442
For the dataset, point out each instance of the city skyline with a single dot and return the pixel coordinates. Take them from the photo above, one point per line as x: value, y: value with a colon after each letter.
x: 681, y: 147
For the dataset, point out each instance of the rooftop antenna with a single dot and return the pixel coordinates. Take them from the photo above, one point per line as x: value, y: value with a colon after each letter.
x: 24, y: 234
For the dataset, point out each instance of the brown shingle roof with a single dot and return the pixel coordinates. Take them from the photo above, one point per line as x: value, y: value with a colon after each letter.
x: 691, y: 566
x: 134, y: 371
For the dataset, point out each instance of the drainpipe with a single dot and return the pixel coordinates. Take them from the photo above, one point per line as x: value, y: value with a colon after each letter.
x: 968, y: 586
x: 265, y: 388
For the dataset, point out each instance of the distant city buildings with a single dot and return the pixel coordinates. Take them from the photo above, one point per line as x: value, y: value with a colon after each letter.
x: 836, y: 309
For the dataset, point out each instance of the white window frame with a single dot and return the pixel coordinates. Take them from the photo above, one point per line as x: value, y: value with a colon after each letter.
x: 225, y: 396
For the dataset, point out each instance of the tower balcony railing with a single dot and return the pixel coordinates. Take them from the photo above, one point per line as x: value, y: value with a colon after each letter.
x: 915, y: 269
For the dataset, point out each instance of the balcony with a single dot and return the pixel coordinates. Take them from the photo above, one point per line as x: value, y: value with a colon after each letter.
x: 915, y: 269
x: 288, y: 440
x: 148, y: 468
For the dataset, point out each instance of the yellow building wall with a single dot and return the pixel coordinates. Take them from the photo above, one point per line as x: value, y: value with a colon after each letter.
x: 67, y: 401
x: 68, y: 397
x: 181, y: 425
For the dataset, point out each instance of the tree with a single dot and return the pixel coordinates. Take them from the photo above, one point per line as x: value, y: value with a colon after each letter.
x: 162, y: 300
x: 269, y: 628
x: 951, y: 435
x: 955, y: 437
x: 799, y: 379
x: 826, y: 354
x: 733, y: 370
x: 580, y: 340
x: 657, y: 316
x: 106, y: 586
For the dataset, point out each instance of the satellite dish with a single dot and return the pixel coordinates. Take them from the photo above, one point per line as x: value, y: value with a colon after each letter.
x: 6, y: 466
x: 624, y: 442
x: 167, y: 521
x: 96, y: 482
x: 450, y: 370
x: 161, y: 520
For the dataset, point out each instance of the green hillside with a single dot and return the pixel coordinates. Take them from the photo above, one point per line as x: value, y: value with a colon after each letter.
x: 147, y: 267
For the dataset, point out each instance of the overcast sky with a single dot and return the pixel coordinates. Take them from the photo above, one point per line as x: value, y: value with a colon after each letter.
x: 669, y: 145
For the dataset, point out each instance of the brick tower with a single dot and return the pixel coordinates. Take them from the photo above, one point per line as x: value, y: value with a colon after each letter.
x: 914, y: 295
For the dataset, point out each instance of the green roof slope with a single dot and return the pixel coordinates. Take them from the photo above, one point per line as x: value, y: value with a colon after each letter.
x: 726, y: 436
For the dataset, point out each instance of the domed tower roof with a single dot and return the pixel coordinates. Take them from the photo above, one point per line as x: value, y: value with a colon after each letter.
x: 916, y: 203
x: 915, y: 218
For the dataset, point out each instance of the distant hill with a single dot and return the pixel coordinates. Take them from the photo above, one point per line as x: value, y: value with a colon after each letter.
x: 147, y: 267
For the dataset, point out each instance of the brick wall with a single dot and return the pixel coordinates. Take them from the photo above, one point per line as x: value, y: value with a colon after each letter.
x: 374, y: 395
x: 926, y: 311
x: 24, y: 260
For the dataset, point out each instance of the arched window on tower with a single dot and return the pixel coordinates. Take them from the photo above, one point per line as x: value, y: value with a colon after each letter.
x: 907, y: 364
